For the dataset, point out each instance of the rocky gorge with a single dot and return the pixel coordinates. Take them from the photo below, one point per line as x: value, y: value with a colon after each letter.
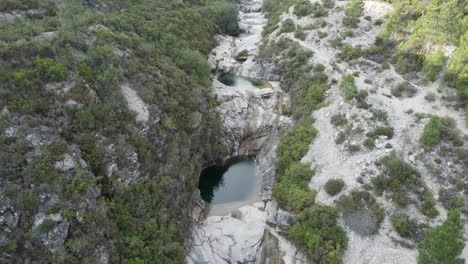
x: 253, y: 116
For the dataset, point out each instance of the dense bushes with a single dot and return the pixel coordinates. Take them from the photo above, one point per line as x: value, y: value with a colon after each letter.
x: 441, y: 129
x: 457, y: 71
x: 295, y: 144
x: 302, y: 8
x: 292, y: 191
x: 318, y: 234
x: 432, y: 65
x: 443, y: 243
x: 353, y: 11
x: 418, y: 25
x: 160, y: 48
x: 399, y: 178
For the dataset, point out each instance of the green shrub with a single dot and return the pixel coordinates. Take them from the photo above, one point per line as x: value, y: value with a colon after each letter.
x: 404, y: 89
x: 338, y: 120
x: 404, y: 225
x: 242, y: 55
x: 288, y: 26
x: 432, y: 65
x: 431, y: 133
x: 361, y: 200
x: 28, y: 201
x: 299, y: 33
x: 340, y: 138
x: 24, y: 79
x: 449, y: 132
x: 450, y: 199
x: 428, y: 205
x: 318, y: 10
x: 354, y: 148
x: 46, y: 226
x: 381, y: 131
x: 457, y: 72
x: 334, y: 186
x: 302, y: 8
x: 443, y: 243
x: 318, y: 234
x: 292, y: 196
x: 295, y: 145
x: 48, y: 70
x: 350, y: 52
x: 348, y: 87
x: 369, y: 143
x: 353, y: 11
x: 7, y: 246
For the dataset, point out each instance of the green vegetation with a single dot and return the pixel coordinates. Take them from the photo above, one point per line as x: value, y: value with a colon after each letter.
x: 404, y: 89
x: 288, y: 26
x: 369, y: 143
x: 443, y: 243
x: 299, y: 33
x: 304, y: 8
x: 160, y: 48
x: 305, y: 83
x: 338, y: 120
x: 404, y: 225
x: 414, y: 27
x: 457, y: 71
x: 242, y: 55
x: 46, y: 226
x: 350, y: 52
x: 292, y: 191
x: 359, y: 200
x: 432, y: 65
x: 334, y: 186
x: 353, y: 11
x: 399, y: 178
x: 438, y: 129
x: 381, y: 131
x: 317, y: 233
x: 348, y: 87
x: 431, y: 133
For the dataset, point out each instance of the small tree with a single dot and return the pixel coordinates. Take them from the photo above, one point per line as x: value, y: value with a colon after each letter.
x: 353, y: 11
x: 348, y: 87
x: 443, y: 243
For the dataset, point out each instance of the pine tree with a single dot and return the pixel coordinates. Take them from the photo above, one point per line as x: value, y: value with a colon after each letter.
x: 443, y: 243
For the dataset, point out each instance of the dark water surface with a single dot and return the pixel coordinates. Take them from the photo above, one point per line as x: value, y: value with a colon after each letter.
x: 236, y: 181
x: 237, y: 80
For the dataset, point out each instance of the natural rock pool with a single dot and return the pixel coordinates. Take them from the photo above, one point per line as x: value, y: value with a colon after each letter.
x: 237, y: 80
x: 229, y: 186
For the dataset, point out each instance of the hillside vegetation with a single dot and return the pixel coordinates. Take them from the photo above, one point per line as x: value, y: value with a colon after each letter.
x: 81, y: 179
